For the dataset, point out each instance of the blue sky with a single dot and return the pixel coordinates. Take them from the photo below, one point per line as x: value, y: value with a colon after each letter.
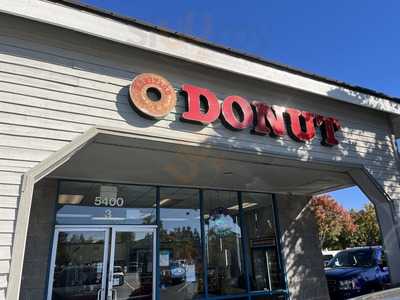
x: 354, y: 41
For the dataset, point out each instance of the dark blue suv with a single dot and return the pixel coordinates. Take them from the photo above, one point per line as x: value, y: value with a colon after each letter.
x: 357, y: 271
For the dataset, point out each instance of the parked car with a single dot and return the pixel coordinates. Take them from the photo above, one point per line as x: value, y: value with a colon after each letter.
x: 174, y: 273
x: 178, y: 272
x: 328, y: 255
x: 118, y: 276
x: 357, y: 271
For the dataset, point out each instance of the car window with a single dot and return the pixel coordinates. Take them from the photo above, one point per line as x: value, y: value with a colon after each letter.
x: 352, y: 258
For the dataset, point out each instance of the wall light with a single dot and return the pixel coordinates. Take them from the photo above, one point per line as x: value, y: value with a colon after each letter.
x: 70, y: 199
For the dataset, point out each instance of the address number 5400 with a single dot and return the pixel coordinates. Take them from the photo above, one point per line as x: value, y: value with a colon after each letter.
x: 99, y: 201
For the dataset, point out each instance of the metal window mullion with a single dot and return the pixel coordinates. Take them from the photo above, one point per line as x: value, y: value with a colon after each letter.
x: 203, y: 245
x: 157, y: 262
x: 278, y: 239
x: 245, y: 250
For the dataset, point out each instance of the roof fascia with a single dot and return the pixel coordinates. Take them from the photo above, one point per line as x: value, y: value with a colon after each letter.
x: 114, y: 30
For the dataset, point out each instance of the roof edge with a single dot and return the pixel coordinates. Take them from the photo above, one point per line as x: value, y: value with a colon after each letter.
x: 105, y: 25
x: 227, y: 50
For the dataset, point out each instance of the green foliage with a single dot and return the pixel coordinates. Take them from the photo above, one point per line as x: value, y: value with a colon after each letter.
x: 340, y: 229
x: 367, y: 233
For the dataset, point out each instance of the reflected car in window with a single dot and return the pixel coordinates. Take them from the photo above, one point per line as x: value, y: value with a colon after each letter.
x: 118, y: 276
x: 178, y: 272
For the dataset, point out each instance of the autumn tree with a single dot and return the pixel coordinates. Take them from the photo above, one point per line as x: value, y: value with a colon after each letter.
x: 368, y: 233
x: 333, y: 221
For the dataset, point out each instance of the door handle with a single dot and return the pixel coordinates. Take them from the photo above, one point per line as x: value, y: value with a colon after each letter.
x: 115, y: 297
x: 99, y: 293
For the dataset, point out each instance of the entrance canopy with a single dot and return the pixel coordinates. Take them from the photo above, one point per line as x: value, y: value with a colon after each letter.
x: 114, y: 155
x: 120, y: 157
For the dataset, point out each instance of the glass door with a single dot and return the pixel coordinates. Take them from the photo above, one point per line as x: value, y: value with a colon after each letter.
x: 264, y: 269
x: 103, y: 263
x: 132, y: 266
x: 78, y: 265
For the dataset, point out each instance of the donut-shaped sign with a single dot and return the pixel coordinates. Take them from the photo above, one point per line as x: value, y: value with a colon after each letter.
x: 152, y: 95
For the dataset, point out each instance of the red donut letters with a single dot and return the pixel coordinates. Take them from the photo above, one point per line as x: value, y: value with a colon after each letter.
x: 328, y: 127
x: 269, y: 119
x: 245, y: 111
x: 203, y: 107
x: 297, y: 117
x: 194, y: 112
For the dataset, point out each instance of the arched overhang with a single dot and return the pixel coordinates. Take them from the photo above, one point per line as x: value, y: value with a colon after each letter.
x: 131, y: 156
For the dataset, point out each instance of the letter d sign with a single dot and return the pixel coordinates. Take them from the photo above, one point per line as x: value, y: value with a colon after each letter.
x: 194, y: 112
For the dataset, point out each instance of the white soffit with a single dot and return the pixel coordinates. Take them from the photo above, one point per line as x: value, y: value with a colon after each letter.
x: 95, y: 25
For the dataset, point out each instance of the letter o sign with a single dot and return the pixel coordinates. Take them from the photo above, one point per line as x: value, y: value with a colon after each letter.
x: 244, y: 109
x: 152, y: 95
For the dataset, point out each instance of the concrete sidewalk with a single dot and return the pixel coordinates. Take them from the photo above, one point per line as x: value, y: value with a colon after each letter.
x: 392, y: 294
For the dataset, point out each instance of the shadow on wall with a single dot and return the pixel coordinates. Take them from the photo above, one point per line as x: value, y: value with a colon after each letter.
x: 300, y: 245
x: 366, y: 99
x: 376, y: 155
x: 370, y: 152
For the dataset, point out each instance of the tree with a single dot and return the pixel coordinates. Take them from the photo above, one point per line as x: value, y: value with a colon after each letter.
x: 368, y: 233
x: 333, y: 221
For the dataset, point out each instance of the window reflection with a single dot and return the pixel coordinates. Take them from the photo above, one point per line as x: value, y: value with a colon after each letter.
x: 78, y: 267
x: 223, y: 242
x: 180, y: 234
x: 97, y: 203
x: 133, y: 265
x: 180, y: 244
x: 259, y: 222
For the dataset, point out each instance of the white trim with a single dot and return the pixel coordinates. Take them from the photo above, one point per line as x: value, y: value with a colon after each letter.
x: 24, y: 206
x: 106, y: 28
x: 145, y: 228
x: 130, y: 228
x: 52, y: 265
x: 108, y: 254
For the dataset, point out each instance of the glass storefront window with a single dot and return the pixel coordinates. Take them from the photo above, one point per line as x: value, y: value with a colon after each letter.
x: 258, y: 217
x: 181, y: 266
x: 98, y: 203
x: 223, y: 240
x: 238, y: 237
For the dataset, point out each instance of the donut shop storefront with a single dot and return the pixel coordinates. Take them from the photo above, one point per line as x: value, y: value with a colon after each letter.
x: 162, y: 167
x: 182, y: 236
x: 178, y: 221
